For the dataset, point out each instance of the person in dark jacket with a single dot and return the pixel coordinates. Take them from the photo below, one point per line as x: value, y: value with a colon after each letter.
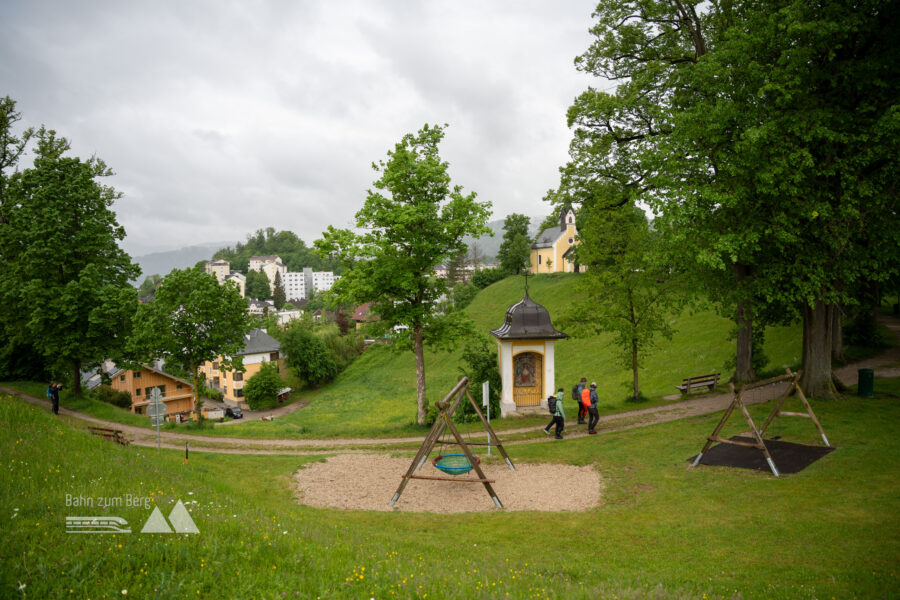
x: 559, y: 417
x: 54, y: 396
x: 593, y: 412
x: 576, y: 396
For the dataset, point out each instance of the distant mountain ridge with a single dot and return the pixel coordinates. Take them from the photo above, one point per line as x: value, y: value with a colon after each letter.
x: 162, y: 263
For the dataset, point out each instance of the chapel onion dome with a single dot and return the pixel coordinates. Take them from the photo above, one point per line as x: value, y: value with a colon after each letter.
x: 527, y: 320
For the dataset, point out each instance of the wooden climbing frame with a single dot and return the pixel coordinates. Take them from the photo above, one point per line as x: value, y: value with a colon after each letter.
x: 446, y: 408
x: 758, y: 441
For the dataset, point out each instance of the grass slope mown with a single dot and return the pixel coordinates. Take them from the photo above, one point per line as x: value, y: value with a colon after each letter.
x: 663, y: 531
x: 376, y: 395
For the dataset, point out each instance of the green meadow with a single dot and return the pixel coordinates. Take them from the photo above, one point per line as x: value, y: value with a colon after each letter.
x: 661, y: 531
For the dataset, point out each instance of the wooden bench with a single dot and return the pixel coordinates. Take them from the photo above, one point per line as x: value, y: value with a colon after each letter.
x: 708, y: 381
x: 115, y: 435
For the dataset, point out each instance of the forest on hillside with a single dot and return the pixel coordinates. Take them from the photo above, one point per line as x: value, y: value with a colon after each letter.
x: 293, y: 252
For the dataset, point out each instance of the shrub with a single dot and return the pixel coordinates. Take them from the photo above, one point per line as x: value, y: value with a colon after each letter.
x: 307, y: 355
x: 485, y: 277
x: 480, y: 358
x: 261, y: 390
x: 106, y: 394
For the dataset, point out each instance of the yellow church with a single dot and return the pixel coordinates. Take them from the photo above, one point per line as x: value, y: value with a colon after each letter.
x: 551, y: 252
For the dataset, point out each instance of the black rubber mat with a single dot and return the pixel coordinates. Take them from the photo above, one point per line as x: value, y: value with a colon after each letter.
x: 788, y: 457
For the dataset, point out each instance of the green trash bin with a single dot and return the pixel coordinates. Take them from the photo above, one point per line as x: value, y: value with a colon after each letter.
x: 866, y: 386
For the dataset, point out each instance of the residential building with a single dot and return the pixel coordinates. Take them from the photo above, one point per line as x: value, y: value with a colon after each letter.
x: 260, y: 307
x: 552, y: 250
x: 238, y: 279
x: 177, y: 394
x: 323, y: 280
x: 364, y: 314
x: 294, y: 285
x: 259, y: 348
x: 270, y: 265
x: 220, y: 268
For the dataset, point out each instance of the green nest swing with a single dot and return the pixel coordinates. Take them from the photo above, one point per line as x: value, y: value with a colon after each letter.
x: 454, y: 464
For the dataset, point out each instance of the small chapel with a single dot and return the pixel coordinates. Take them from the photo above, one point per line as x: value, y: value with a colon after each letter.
x: 526, y: 341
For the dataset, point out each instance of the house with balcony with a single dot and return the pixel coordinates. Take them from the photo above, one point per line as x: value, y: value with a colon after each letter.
x: 259, y: 348
x: 177, y: 394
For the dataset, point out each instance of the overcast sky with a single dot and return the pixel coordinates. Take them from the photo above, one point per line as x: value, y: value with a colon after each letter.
x: 220, y: 118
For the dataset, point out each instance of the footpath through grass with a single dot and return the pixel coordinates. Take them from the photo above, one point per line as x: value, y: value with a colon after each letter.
x: 662, y: 531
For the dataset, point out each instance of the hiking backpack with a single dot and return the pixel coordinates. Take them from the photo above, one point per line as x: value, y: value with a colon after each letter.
x: 551, y: 404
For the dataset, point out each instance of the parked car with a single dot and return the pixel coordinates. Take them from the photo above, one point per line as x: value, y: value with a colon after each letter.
x: 234, y: 412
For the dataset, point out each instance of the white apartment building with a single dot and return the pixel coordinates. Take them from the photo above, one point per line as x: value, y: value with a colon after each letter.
x: 323, y: 280
x: 294, y: 285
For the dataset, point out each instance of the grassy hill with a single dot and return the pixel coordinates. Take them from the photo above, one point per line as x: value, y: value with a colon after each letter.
x: 662, y: 531
x: 376, y: 395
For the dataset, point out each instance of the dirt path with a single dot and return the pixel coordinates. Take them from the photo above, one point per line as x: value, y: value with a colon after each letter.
x: 886, y: 364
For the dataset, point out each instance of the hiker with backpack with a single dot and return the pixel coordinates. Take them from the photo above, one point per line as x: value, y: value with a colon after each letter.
x: 593, y: 412
x: 53, y: 394
x: 576, y: 396
x: 555, y: 406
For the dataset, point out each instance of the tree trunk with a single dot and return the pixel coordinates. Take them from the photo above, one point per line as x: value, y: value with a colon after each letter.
x: 743, y: 372
x: 634, y: 368
x: 817, y: 376
x: 76, y: 377
x: 743, y: 369
x: 419, y: 349
x: 837, y: 335
x: 198, y: 404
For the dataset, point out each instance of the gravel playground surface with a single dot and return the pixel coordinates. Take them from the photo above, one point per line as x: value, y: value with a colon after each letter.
x: 368, y: 482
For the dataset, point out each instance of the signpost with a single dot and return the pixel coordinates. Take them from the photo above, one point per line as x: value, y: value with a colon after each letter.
x: 156, y: 409
x: 485, y: 400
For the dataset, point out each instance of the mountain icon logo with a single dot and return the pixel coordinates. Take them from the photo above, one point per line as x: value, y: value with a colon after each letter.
x: 179, y: 518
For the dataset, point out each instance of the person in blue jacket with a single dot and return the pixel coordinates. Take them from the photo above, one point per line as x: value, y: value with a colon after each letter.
x: 593, y: 412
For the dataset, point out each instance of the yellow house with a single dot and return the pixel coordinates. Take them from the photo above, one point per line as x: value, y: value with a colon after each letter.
x: 259, y: 348
x: 552, y: 250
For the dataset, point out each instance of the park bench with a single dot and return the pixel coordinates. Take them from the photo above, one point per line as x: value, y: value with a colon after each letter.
x: 115, y: 435
x: 708, y: 381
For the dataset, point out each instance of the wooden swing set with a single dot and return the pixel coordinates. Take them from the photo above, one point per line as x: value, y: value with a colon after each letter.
x: 758, y: 441
x: 454, y: 464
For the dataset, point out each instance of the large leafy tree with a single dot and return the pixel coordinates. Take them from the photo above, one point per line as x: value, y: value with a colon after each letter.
x: 257, y: 285
x: 412, y: 221
x: 64, y: 281
x: 625, y: 290
x: 515, y: 249
x: 192, y: 319
x: 765, y: 136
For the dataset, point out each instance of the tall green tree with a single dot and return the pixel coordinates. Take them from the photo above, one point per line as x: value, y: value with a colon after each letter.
x: 149, y: 284
x: 12, y: 145
x: 192, y: 319
x: 625, y: 291
x: 64, y: 282
x: 456, y: 268
x: 257, y: 285
x: 515, y: 249
x: 764, y: 134
x: 412, y: 221
x: 278, y: 291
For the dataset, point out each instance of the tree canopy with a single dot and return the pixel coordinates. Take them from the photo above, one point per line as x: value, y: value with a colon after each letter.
x: 514, y: 255
x: 412, y: 221
x: 764, y: 137
x: 192, y: 319
x: 64, y: 279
